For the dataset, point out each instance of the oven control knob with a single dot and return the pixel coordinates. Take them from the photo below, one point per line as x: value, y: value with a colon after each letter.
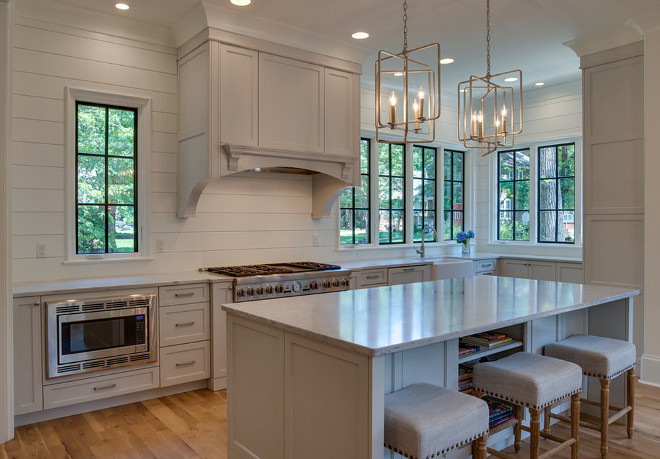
x: 313, y: 285
x: 344, y: 282
x: 279, y: 288
x: 240, y: 292
x: 335, y: 282
x: 260, y: 290
x: 249, y: 291
x: 326, y: 283
x: 269, y: 289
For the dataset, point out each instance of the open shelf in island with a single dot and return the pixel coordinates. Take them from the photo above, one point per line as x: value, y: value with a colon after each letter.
x: 493, y: 350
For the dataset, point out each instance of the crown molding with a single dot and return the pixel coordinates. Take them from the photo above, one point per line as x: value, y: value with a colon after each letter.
x: 604, y: 40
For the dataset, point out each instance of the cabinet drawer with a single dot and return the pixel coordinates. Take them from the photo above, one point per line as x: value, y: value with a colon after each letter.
x: 372, y: 277
x: 85, y: 390
x: 184, y: 323
x: 484, y: 266
x: 185, y: 363
x: 182, y: 294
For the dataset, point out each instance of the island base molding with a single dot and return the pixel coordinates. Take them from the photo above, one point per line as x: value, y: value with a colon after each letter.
x: 650, y: 371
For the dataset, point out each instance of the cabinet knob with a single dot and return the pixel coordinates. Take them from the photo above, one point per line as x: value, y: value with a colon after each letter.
x: 36, y: 303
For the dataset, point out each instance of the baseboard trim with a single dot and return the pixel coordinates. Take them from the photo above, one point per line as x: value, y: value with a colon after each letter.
x: 650, y: 373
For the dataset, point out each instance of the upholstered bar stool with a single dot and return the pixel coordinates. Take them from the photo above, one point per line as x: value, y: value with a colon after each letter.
x: 533, y: 381
x: 605, y: 359
x: 425, y: 421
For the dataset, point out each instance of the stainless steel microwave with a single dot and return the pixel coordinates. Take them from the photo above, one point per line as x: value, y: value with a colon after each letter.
x: 99, y: 334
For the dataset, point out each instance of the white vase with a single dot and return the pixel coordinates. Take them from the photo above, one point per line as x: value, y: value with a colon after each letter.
x: 465, y: 250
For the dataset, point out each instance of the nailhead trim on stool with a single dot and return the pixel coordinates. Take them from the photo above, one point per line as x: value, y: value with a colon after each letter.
x: 425, y: 421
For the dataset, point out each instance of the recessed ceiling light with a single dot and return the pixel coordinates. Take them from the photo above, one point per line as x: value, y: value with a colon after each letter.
x: 510, y: 79
x: 122, y: 6
x: 398, y: 74
x: 241, y: 2
x: 446, y: 60
x: 360, y: 35
x: 540, y: 83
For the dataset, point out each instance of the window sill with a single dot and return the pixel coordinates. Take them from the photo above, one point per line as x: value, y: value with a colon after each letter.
x: 415, y: 245
x: 91, y: 261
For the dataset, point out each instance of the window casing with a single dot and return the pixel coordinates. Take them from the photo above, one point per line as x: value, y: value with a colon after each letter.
x: 391, y: 193
x: 355, y: 204
x: 556, y: 194
x: 513, y: 168
x: 454, y: 194
x: 424, y: 191
x: 119, y: 195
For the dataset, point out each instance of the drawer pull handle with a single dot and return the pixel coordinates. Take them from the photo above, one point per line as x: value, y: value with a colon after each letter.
x: 109, y: 386
x: 185, y: 324
x: 180, y: 295
x: 375, y: 276
x: 408, y: 269
x: 185, y: 364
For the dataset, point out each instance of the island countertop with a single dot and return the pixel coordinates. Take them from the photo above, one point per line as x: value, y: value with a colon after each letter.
x: 384, y: 320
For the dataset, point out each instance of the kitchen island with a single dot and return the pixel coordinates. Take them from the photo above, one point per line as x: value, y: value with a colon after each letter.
x: 307, y: 375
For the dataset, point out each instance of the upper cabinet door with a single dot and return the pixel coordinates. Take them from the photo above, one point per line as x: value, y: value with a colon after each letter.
x: 239, y: 96
x: 341, y: 125
x: 291, y: 104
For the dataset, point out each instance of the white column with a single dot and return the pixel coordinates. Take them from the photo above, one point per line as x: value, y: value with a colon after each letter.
x: 6, y: 320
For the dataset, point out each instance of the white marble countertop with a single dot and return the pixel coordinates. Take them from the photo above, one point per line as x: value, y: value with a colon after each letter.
x: 493, y: 255
x: 384, y: 320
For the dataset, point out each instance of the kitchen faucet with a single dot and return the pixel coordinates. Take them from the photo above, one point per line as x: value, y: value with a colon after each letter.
x: 421, y: 250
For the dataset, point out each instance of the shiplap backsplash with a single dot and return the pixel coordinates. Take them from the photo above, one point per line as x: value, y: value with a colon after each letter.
x: 246, y: 218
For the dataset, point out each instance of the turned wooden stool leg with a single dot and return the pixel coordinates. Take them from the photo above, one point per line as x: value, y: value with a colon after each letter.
x: 535, y: 430
x: 575, y: 423
x: 546, y: 419
x: 604, y: 415
x: 630, y: 398
x: 517, y: 429
x: 480, y: 447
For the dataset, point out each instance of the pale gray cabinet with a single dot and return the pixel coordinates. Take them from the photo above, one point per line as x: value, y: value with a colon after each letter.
x: 528, y: 269
x: 221, y: 293
x: 569, y: 272
x: 408, y: 274
x: 28, y: 363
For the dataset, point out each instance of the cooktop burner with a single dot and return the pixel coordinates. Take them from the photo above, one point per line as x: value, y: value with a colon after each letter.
x: 271, y: 268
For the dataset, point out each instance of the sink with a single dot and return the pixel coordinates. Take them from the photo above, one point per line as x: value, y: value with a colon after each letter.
x: 446, y: 268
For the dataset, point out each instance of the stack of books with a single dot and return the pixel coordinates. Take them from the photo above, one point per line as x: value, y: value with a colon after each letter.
x: 465, y: 349
x: 465, y: 378
x: 486, y: 340
x: 499, y: 411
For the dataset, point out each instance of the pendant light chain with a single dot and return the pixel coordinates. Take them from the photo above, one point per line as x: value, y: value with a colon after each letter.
x: 405, y: 26
x: 488, y: 37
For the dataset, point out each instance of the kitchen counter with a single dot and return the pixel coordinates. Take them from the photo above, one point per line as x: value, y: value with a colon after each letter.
x: 292, y: 359
x: 492, y: 255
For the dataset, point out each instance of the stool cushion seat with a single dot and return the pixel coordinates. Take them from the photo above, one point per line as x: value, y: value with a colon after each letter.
x: 598, y: 356
x: 424, y: 421
x: 528, y: 379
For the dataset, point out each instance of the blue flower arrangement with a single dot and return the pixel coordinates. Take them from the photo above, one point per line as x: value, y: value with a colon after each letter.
x: 462, y: 237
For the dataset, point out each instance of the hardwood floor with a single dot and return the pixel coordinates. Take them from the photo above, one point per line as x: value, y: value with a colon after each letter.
x: 194, y: 424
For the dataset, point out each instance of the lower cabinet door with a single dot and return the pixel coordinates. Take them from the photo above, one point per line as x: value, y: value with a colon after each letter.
x: 85, y: 390
x: 185, y: 363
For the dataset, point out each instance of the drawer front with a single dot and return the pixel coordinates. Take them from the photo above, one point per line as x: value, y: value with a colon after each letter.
x: 86, y: 390
x: 184, y: 323
x: 182, y: 294
x: 484, y: 266
x: 185, y: 363
x: 372, y: 277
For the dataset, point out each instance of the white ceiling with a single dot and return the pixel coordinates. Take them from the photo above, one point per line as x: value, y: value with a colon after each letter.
x: 525, y: 34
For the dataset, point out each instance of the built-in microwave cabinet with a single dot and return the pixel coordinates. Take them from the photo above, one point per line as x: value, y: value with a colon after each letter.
x: 28, y: 363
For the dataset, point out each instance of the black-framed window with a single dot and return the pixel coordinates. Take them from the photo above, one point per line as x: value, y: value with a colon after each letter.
x: 454, y: 193
x: 556, y: 193
x: 355, y: 205
x: 391, y: 193
x: 424, y: 191
x: 106, y: 179
x: 513, y: 191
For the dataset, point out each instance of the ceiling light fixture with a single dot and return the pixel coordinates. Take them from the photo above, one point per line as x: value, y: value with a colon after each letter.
x: 539, y: 83
x: 420, y: 69
x: 241, y: 2
x: 360, y: 35
x: 122, y: 6
x: 479, y: 96
x: 446, y: 60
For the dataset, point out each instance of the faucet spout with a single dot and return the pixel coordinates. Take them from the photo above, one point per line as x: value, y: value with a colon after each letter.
x: 422, y: 251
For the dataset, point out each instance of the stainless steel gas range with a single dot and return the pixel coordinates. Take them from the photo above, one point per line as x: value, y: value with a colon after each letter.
x: 278, y: 280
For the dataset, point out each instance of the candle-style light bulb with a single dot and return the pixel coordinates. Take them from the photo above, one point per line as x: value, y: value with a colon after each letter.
x: 480, y: 123
x: 392, y: 108
x: 421, y: 95
x: 416, y: 111
x: 503, y: 118
x: 473, y: 130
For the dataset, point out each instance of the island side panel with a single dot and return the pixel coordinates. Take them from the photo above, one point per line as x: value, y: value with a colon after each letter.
x: 327, y: 401
x: 255, y: 390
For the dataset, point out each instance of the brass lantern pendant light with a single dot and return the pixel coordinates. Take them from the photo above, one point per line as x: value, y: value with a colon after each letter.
x: 407, y: 92
x: 489, y: 111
